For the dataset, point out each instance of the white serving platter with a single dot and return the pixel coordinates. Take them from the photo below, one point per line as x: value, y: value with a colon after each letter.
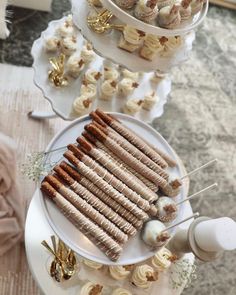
x: 127, y: 17
x: 106, y: 45
x: 61, y: 99
x: 135, y: 250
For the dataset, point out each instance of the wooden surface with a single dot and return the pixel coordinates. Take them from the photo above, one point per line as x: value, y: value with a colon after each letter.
x: 226, y: 4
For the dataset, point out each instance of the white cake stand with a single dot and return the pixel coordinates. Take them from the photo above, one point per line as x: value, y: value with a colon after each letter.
x: 37, y: 229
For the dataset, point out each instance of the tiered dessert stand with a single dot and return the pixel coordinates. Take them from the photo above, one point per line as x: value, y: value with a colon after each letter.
x: 105, y: 45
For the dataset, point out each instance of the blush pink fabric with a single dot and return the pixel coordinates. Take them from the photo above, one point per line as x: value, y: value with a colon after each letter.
x: 12, y: 205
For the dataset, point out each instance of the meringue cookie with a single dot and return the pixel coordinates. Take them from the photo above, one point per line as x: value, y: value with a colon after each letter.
x: 92, y: 264
x: 91, y: 288
x: 90, y: 90
x: 52, y: 44
x: 87, y: 54
x: 126, y: 4
x: 92, y: 76
x: 111, y: 74
x: 151, y: 47
x: 146, y: 10
x: 127, y: 86
x: 132, y: 106
x: 108, y: 89
x: 166, y: 209
x: 131, y: 75
x: 169, y: 16
x: 143, y: 276
x: 69, y: 45
x: 131, y: 39
x: 121, y: 291
x: 82, y: 104
x: 161, y: 260
x: 154, y: 234
x: 75, y: 66
x: 149, y: 101
x: 119, y: 272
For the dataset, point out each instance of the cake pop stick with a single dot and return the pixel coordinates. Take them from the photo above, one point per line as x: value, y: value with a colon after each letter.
x: 94, y: 201
x: 128, y: 146
x: 181, y: 222
x: 199, y: 168
x: 87, y: 210
x: 116, y: 170
x: 110, y: 178
x: 137, y: 177
x: 106, y: 187
x: 132, y: 138
x: 93, y: 232
x: 101, y: 195
x: 125, y: 156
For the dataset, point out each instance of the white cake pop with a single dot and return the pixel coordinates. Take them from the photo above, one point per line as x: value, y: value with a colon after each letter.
x: 154, y: 234
x: 166, y: 209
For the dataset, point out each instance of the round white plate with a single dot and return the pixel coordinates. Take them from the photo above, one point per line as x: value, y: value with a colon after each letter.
x: 127, y: 17
x: 106, y: 45
x: 135, y: 250
x: 62, y: 99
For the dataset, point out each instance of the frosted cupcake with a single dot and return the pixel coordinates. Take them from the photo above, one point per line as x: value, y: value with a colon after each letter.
x: 111, y: 74
x: 162, y: 259
x: 132, y: 106
x: 127, y: 86
x: 149, y: 101
x: 69, y: 45
x: 131, y: 75
x: 151, y: 47
x: 92, y: 264
x: 131, y: 39
x: 146, y: 10
x: 169, y: 16
x: 126, y: 4
x: 143, y: 276
x: 75, y: 66
x: 91, y: 289
x: 120, y: 272
x: 82, y: 105
x: 87, y: 53
x: 108, y: 89
x: 89, y: 90
x: 121, y: 291
x: 92, y: 76
x: 52, y: 44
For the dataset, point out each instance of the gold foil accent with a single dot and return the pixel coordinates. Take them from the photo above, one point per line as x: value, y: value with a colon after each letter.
x: 57, y: 74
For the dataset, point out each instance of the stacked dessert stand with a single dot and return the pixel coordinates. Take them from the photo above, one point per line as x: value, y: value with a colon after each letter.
x: 42, y: 214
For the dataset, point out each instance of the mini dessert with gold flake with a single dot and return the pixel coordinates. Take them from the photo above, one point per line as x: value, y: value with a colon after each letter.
x: 143, y: 276
x: 149, y: 101
x: 69, y: 45
x: 132, y: 106
x: 127, y: 86
x: 88, y: 89
x: 108, y: 89
x: 162, y: 259
x: 151, y: 47
x: 52, y: 44
x: 121, y: 291
x: 82, y: 105
x: 87, y: 53
x: 75, y: 66
x: 92, y: 76
x: 146, y: 10
x: 131, y: 75
x: 169, y: 16
x: 120, y: 272
x: 91, y: 289
x: 92, y: 264
x: 111, y: 74
x: 66, y: 29
x: 131, y: 39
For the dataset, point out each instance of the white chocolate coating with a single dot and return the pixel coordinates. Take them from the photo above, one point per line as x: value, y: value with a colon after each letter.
x: 119, y: 272
x: 143, y: 276
x: 166, y: 209
x: 152, y: 234
x: 161, y: 260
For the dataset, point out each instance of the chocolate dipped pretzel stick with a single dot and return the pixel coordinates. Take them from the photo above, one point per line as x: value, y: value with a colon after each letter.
x: 132, y: 138
x: 94, y: 201
x: 116, y: 170
x: 123, y: 154
x: 87, y: 210
x: 137, y: 176
x: 102, y: 196
x: 106, y: 187
x: 139, y: 155
x: 110, y: 178
x: 93, y: 232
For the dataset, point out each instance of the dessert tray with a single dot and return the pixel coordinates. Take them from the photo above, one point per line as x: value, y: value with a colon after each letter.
x: 127, y: 17
x: 62, y: 98
x: 107, y: 45
x: 135, y: 249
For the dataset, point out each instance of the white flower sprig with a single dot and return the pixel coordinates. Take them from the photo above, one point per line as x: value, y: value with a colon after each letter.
x: 37, y: 164
x: 182, y: 273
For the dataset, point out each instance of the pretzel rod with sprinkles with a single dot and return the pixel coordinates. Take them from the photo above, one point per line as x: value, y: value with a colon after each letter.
x: 139, y: 155
x: 93, y: 232
x: 126, y: 214
x: 94, y: 201
x: 132, y: 138
x: 116, y: 170
x: 137, y: 176
x: 87, y: 210
x: 106, y: 187
x: 130, y: 160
